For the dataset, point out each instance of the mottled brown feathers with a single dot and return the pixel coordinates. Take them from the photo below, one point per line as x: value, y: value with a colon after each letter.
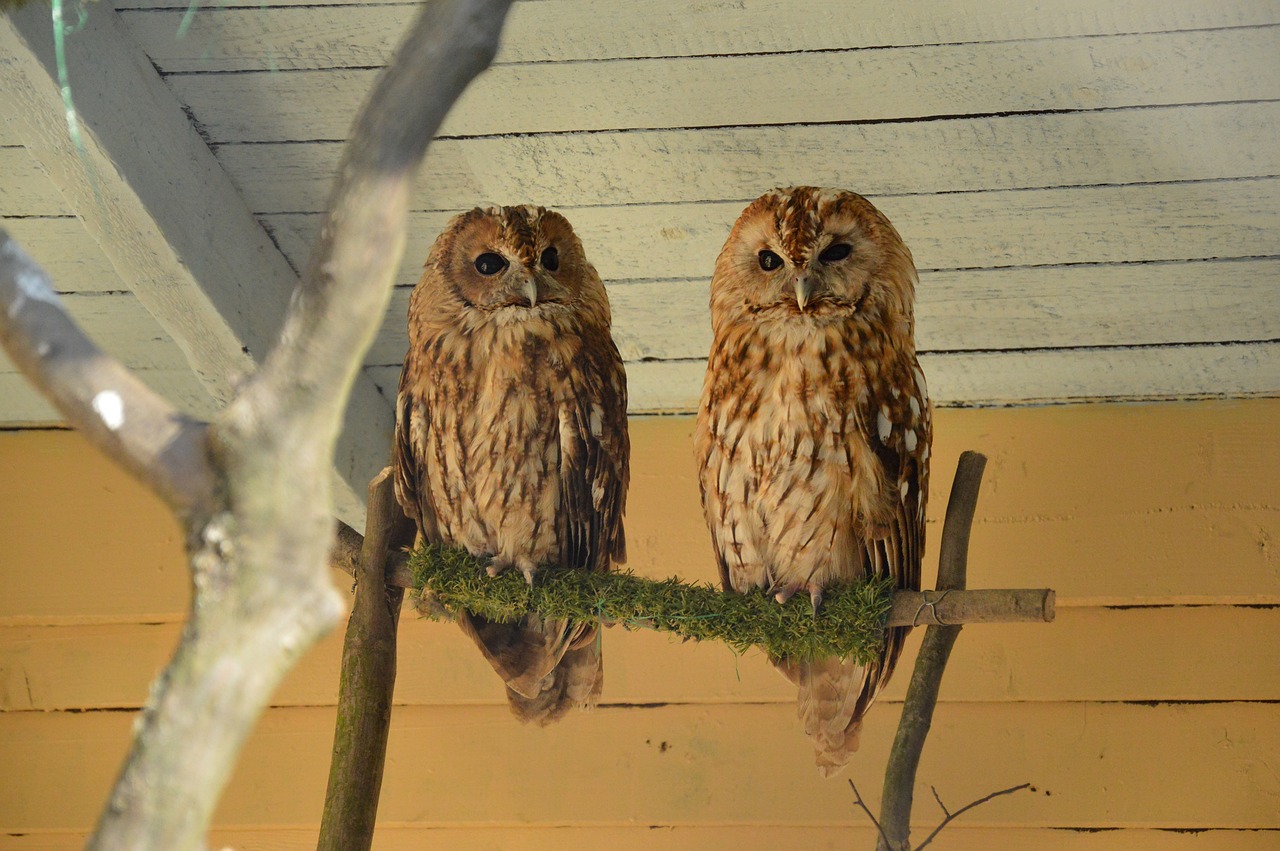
x: 813, y: 433
x: 511, y: 430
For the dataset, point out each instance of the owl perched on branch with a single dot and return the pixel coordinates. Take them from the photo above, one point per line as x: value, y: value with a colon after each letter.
x: 511, y: 431
x: 813, y: 433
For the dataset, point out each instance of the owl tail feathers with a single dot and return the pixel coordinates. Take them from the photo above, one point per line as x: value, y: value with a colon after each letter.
x: 576, y: 681
x: 828, y: 707
x: 549, y: 665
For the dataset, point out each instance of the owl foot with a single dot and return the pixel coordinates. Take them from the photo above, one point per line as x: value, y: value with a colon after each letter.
x: 429, y: 606
x: 525, y: 566
x: 786, y: 592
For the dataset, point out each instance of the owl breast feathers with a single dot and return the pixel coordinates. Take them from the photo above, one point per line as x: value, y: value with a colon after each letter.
x: 511, y: 431
x: 813, y: 433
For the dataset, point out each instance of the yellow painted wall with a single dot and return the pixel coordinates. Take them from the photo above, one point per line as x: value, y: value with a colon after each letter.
x: 1147, y: 709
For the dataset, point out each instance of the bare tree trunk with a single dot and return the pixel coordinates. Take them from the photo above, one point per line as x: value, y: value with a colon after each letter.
x: 926, y: 678
x: 253, y: 487
x: 368, y: 681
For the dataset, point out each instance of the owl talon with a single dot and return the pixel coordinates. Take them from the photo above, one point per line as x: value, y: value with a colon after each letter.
x: 496, y: 567
x: 782, y: 595
x: 528, y: 574
x: 815, y: 597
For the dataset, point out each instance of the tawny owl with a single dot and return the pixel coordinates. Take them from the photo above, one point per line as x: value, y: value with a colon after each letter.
x: 511, y: 431
x: 813, y: 434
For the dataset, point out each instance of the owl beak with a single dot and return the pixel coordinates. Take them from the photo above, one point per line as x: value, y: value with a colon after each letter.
x: 531, y: 292
x: 804, y: 290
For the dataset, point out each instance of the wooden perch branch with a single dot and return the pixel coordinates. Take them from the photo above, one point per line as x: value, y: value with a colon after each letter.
x: 850, y: 622
x: 910, y: 608
x: 253, y: 487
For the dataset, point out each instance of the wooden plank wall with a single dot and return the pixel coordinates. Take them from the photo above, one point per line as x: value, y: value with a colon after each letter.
x: 1090, y: 189
x: 1145, y: 716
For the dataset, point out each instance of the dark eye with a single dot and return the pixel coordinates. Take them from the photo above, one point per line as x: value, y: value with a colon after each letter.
x: 836, y: 251
x: 551, y: 259
x: 490, y: 263
x: 769, y: 261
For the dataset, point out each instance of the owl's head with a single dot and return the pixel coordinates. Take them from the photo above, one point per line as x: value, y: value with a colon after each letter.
x: 509, y: 264
x: 815, y: 254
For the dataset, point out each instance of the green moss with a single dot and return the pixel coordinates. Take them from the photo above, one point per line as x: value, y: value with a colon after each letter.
x: 849, y: 623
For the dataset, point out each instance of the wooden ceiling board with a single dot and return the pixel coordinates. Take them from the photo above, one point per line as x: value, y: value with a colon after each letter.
x: 1099, y: 195
x: 859, y: 85
x: 237, y: 35
x: 66, y: 251
x: 25, y: 189
x: 1123, y: 146
x: 1104, y: 224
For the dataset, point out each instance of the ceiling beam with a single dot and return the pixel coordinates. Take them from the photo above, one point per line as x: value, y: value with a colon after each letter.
x: 166, y: 215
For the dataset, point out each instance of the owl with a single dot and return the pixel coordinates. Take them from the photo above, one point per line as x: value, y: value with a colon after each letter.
x: 511, y: 432
x: 813, y: 433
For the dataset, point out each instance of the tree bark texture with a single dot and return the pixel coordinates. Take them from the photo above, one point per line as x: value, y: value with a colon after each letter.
x: 926, y: 678
x: 367, y: 681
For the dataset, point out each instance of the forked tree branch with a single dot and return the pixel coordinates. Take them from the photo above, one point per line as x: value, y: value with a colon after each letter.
x: 254, y: 486
x: 124, y: 418
x: 926, y: 678
x: 950, y: 816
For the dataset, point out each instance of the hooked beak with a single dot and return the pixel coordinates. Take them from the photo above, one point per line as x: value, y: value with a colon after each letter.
x: 804, y: 290
x: 531, y: 291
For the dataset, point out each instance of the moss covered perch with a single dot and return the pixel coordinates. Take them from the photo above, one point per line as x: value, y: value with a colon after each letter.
x: 848, y: 623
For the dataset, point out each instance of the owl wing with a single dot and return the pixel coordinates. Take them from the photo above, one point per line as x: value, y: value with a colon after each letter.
x: 412, y: 420
x: 898, y: 429
x: 595, y: 451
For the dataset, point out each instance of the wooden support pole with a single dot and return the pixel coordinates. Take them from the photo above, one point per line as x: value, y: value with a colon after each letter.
x: 926, y: 678
x: 367, y: 681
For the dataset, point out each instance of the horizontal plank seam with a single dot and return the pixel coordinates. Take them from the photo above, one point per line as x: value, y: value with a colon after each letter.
x: 959, y: 117
x: 704, y: 202
x: 855, y: 122
x: 1083, y: 264
x: 664, y: 704
x: 699, y: 826
x: 744, y: 54
x: 1011, y: 351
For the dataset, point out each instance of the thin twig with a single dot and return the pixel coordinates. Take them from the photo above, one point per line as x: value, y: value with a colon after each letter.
x: 938, y: 798
x: 857, y: 799
x: 950, y: 817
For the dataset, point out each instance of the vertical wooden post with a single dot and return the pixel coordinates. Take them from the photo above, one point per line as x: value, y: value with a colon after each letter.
x: 926, y: 678
x: 367, y: 682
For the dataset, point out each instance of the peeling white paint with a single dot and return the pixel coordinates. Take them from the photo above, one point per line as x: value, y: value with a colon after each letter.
x: 110, y: 407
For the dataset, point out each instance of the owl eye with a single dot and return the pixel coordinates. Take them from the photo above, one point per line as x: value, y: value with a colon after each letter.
x: 490, y: 263
x: 551, y: 259
x: 769, y: 261
x: 835, y: 252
